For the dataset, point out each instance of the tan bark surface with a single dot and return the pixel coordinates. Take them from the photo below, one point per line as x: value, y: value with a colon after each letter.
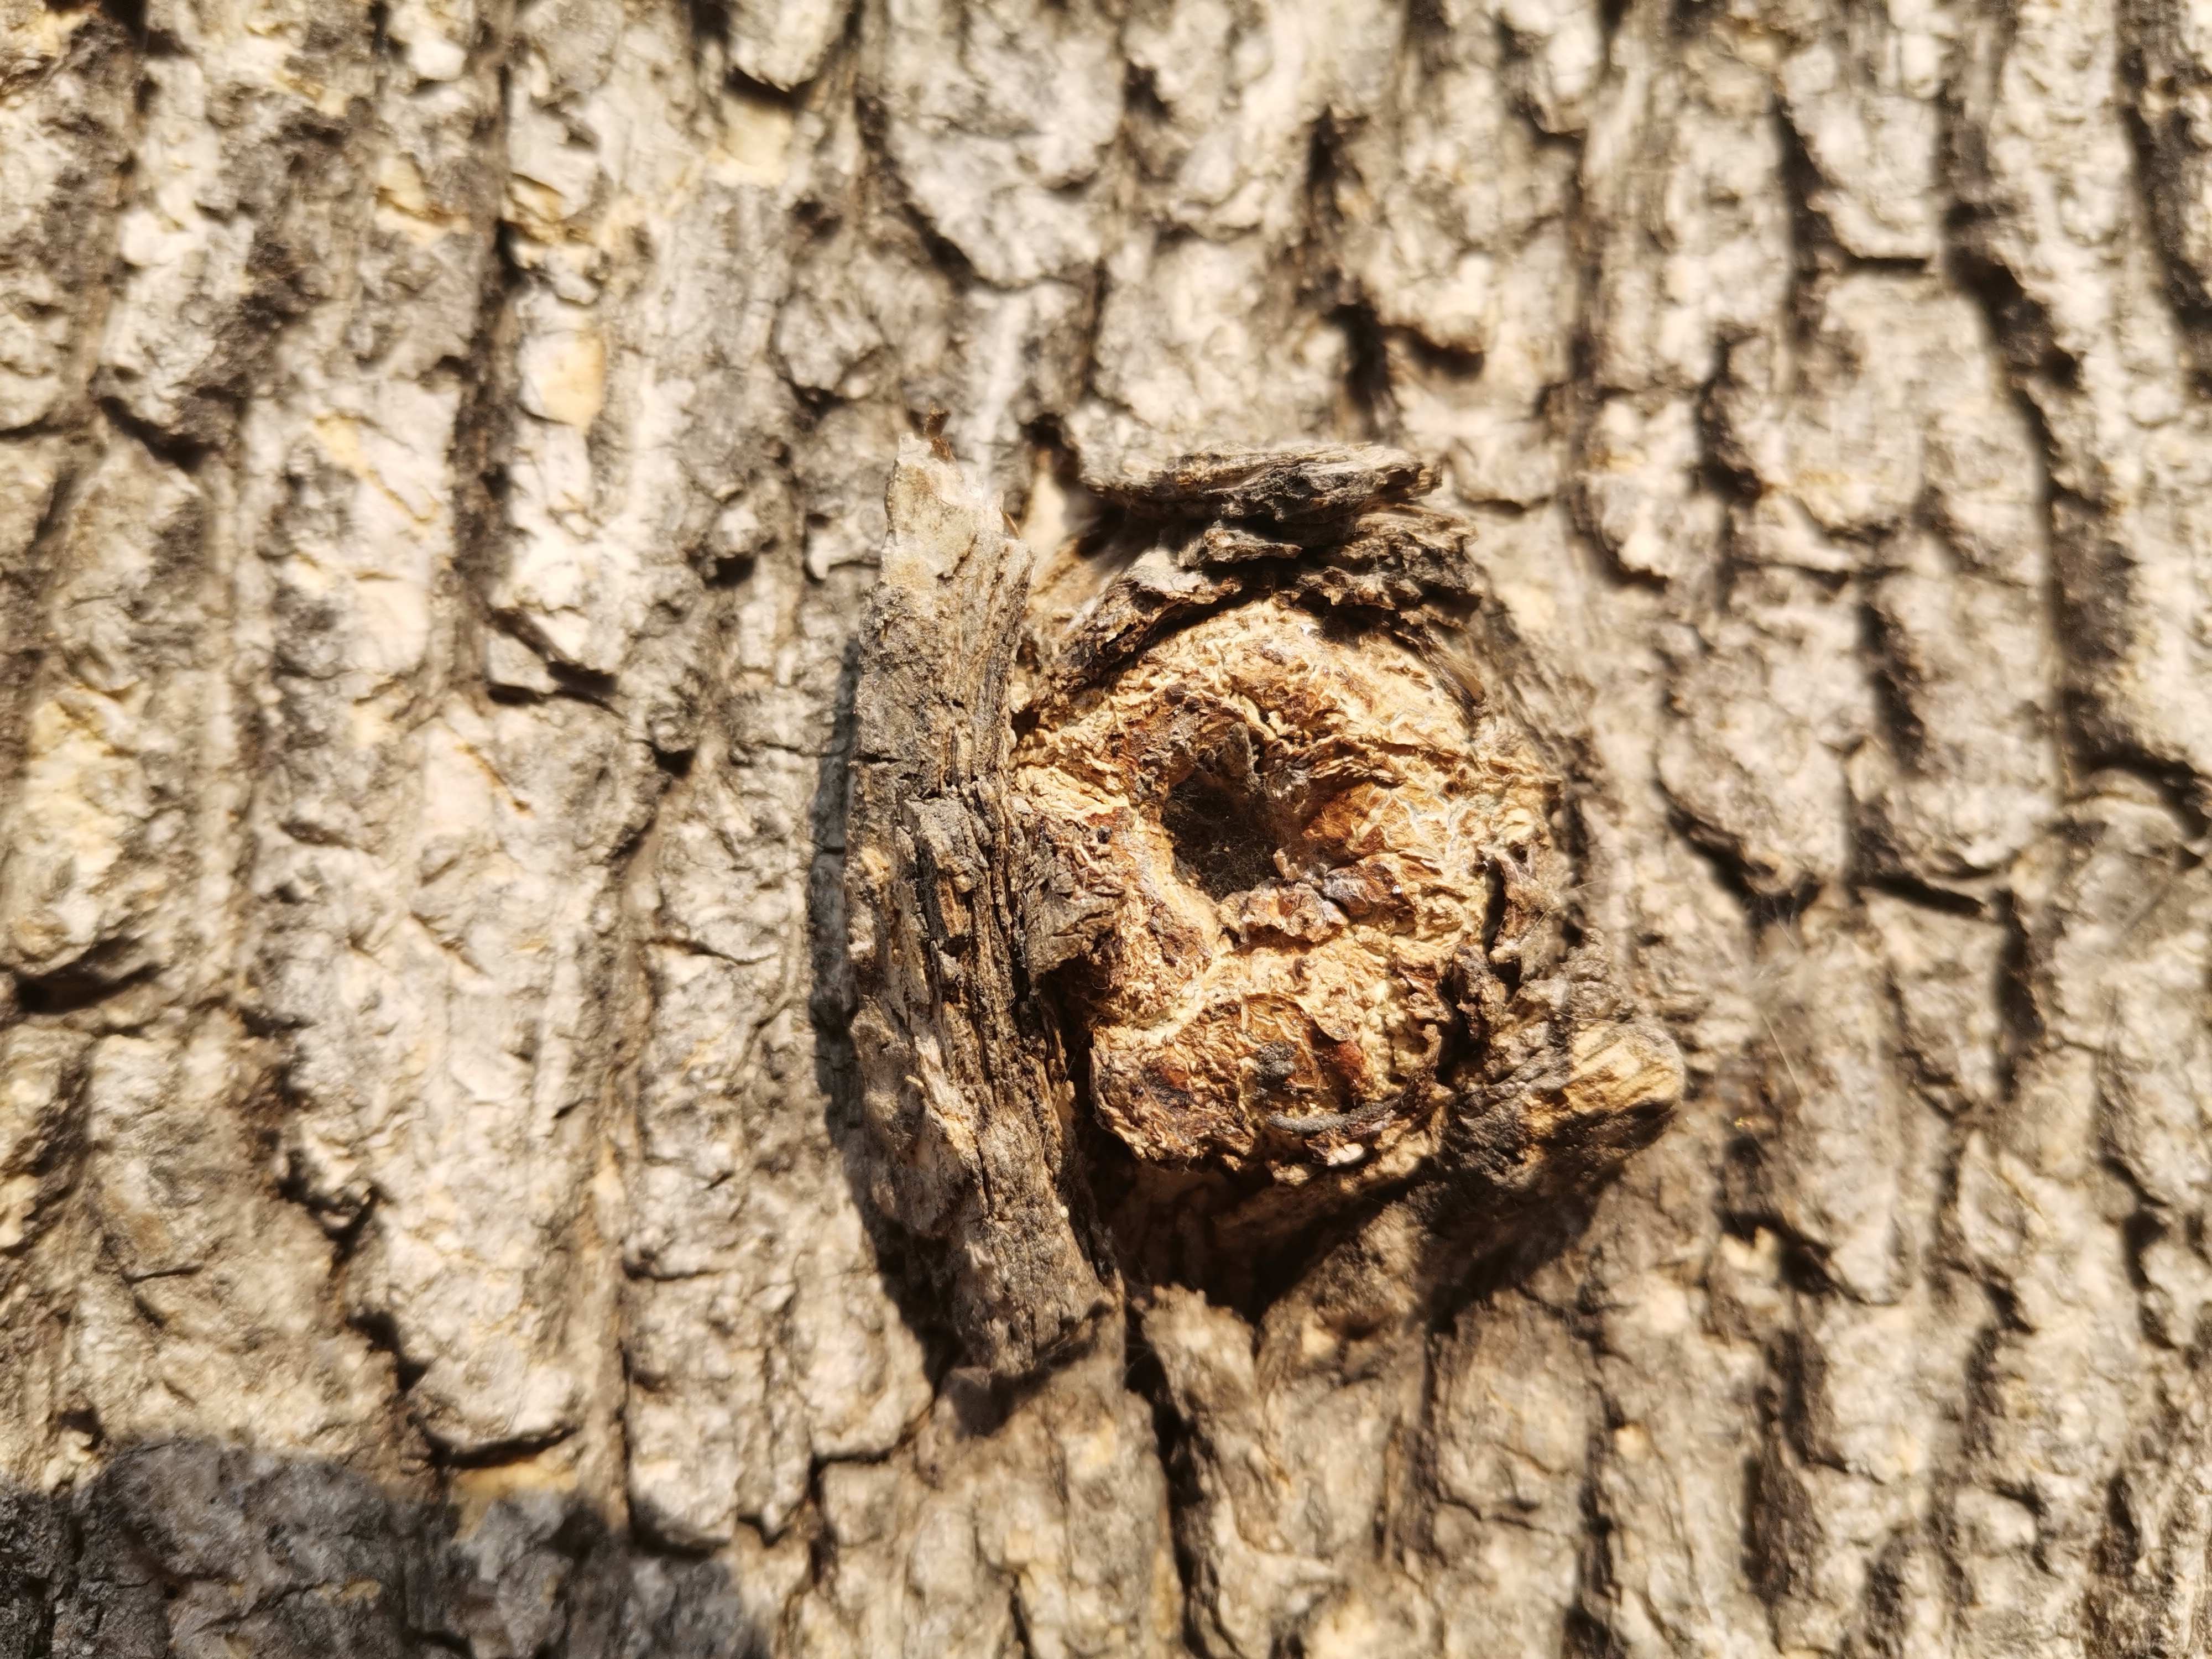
x: 443, y: 451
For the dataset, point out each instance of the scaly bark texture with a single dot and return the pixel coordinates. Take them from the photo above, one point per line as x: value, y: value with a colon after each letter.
x: 443, y: 447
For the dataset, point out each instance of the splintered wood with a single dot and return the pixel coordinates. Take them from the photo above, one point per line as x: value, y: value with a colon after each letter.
x: 1271, y: 888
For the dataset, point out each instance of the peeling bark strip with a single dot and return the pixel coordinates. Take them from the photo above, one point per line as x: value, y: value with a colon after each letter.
x: 1271, y: 868
x: 969, y: 1101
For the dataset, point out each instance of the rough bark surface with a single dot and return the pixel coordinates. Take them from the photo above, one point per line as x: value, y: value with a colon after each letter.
x: 443, y: 450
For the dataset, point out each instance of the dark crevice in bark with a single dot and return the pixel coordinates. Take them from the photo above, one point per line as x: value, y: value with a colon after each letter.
x: 1732, y: 480
x: 1814, y: 250
x: 1781, y: 1527
x: 2165, y: 156
x: 185, y: 453
x: 2120, y: 1554
x: 1720, y: 851
x: 341, y: 1220
x: 77, y: 988
x: 2179, y: 789
x: 648, y: 1537
x: 1083, y: 380
x: 1050, y: 446
x: 1886, y: 1604
x: 942, y: 252
x: 2092, y: 582
x: 1173, y: 1436
x: 1367, y: 370
x: 1748, y: 1206
x: 2140, y: 1228
x: 1140, y: 104
x: 381, y: 1332
x: 128, y: 15
x: 709, y: 23
x: 1946, y: 901
x: 1019, y: 1621
x: 1370, y: 401
x: 2020, y: 322
x: 499, y: 1455
x: 2087, y: 582
x: 484, y: 420
x: 1586, y: 1635
x: 882, y: 174
x: 1888, y: 654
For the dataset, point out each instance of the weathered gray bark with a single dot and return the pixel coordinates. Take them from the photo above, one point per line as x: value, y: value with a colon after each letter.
x: 442, y: 458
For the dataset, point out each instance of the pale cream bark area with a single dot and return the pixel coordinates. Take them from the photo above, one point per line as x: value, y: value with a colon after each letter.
x: 443, y: 452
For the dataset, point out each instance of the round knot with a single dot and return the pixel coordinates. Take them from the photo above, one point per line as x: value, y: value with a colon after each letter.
x: 1291, y: 838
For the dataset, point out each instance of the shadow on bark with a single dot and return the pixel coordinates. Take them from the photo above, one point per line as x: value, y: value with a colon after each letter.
x: 192, y: 1546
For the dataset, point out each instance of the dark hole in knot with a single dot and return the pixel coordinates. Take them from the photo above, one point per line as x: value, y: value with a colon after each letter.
x: 1217, y: 818
x: 1274, y: 1065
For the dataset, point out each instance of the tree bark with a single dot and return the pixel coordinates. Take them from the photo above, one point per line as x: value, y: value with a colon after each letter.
x: 443, y: 458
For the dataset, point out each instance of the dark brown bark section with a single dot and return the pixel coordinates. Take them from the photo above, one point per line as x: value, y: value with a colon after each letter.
x: 965, y: 1094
